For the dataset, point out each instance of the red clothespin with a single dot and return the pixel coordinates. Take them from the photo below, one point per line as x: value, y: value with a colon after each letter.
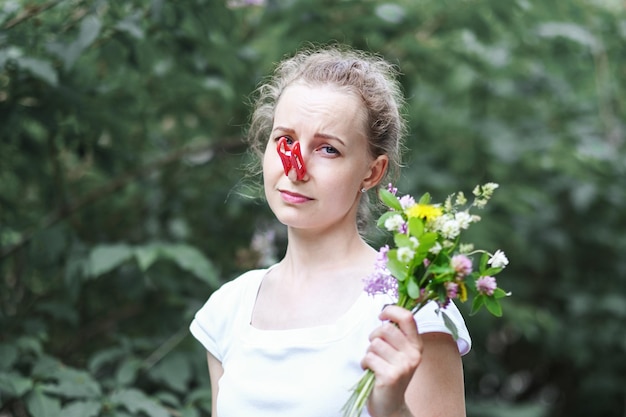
x: 291, y: 157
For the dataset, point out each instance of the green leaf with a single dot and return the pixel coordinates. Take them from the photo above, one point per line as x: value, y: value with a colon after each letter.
x: 416, y: 227
x: 200, y: 398
x: 413, y: 289
x: 127, y: 372
x: 29, y: 344
x: 73, y: 383
x: 389, y: 199
x: 383, y: 218
x: 168, y: 398
x: 397, y: 268
x: 89, y: 29
x: 450, y: 324
x: 427, y: 241
x: 105, y: 258
x: 174, y: 371
x: 41, y: 405
x: 130, y: 27
x: 442, y: 269
x: 147, y: 255
x: 500, y: 293
x: 190, y: 411
x: 136, y: 401
x: 82, y: 409
x: 483, y: 262
x: 493, y: 306
x: 424, y: 199
x: 13, y: 384
x: 570, y: 31
x: 191, y: 259
x: 491, y: 271
x: 104, y: 357
x: 478, y: 302
x: 401, y: 240
x: 46, y: 367
x: 8, y: 355
x: 40, y: 69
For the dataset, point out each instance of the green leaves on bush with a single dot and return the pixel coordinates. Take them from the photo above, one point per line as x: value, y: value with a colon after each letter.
x: 105, y: 258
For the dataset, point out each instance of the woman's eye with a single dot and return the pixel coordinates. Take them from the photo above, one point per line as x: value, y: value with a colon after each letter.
x: 288, y: 140
x: 329, y: 150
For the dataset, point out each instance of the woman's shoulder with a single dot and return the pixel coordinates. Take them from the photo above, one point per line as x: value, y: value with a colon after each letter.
x: 240, y: 284
x: 226, y: 308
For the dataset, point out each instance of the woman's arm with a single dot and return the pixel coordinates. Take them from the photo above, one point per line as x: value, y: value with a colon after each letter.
x: 416, y: 375
x: 437, y: 387
x: 215, y: 373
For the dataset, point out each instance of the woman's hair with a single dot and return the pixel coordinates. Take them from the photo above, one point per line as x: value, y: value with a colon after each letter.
x: 369, y: 77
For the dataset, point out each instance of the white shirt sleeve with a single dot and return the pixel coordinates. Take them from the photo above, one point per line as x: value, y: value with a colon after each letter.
x: 429, y: 321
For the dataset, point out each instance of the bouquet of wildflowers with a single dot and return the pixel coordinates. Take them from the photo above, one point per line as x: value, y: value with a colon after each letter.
x: 430, y: 262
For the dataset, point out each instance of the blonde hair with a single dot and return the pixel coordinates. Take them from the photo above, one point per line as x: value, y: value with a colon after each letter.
x: 368, y: 76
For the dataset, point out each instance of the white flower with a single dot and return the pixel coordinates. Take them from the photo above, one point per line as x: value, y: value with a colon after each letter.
x: 489, y: 188
x: 466, y: 248
x: 447, y: 206
x: 447, y: 244
x: 498, y: 260
x: 437, y: 224
x: 414, y: 242
x: 464, y: 219
x: 405, y: 254
x: 394, y: 223
x: 435, y: 249
x: 480, y: 203
x: 450, y: 229
x: 460, y: 199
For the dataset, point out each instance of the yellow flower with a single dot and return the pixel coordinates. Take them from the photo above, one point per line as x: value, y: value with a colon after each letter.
x: 462, y: 292
x: 424, y: 211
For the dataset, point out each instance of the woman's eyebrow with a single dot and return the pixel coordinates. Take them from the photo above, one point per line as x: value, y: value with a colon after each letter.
x: 317, y: 135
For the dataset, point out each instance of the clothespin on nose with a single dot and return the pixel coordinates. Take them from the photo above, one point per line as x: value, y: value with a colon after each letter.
x: 291, y: 158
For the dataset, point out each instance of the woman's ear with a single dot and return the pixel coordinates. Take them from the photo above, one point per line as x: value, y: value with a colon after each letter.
x: 378, y: 168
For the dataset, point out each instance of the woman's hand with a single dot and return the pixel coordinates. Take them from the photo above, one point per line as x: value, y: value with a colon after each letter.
x: 394, y: 354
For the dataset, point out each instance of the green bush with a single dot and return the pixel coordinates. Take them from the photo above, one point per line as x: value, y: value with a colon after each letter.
x: 124, y: 203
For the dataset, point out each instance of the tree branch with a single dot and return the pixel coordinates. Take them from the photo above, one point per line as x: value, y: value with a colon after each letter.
x: 30, y: 12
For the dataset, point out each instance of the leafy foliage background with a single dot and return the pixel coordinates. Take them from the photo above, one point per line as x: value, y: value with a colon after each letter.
x: 124, y: 203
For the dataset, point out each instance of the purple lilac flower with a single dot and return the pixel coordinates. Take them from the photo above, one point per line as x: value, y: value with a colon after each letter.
x: 393, y: 190
x: 381, y: 257
x: 407, y: 201
x: 381, y: 281
x: 462, y: 265
x: 486, y: 285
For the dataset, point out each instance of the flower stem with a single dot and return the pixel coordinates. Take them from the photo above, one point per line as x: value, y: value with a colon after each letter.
x: 361, y: 392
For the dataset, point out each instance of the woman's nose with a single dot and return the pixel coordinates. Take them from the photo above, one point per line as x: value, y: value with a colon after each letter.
x: 291, y: 157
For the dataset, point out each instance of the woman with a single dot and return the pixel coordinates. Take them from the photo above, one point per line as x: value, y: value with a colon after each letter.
x: 293, y: 339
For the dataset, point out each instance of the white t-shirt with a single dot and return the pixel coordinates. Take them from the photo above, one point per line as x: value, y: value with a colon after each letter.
x: 307, y: 372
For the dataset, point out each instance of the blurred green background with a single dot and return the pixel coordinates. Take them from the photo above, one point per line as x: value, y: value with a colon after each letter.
x: 124, y: 203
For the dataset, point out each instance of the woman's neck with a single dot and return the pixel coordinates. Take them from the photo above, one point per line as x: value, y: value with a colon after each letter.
x: 312, y: 254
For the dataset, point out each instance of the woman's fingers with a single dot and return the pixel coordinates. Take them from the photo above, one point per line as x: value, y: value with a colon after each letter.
x: 394, y: 354
x: 395, y: 346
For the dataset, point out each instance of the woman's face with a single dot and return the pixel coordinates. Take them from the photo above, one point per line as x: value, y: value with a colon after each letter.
x: 329, y: 123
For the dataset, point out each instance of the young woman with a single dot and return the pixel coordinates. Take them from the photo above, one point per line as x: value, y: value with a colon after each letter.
x: 293, y: 339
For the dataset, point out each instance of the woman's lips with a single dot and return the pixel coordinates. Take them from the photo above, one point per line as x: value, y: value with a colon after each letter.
x: 293, y: 198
